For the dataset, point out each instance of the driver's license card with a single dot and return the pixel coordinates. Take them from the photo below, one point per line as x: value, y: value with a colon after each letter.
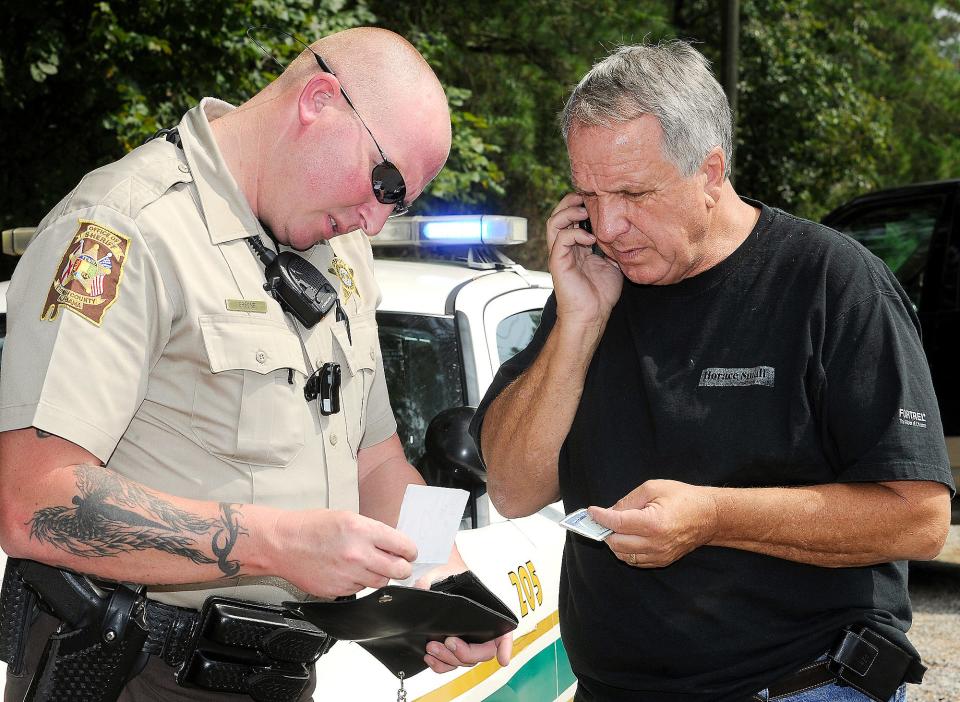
x: 580, y: 522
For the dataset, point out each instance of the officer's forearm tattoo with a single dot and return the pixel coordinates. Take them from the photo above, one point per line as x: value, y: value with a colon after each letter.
x: 41, y: 434
x: 112, y: 515
x: 226, y: 538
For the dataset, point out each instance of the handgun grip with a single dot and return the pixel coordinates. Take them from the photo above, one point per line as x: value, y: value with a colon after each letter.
x: 67, y: 595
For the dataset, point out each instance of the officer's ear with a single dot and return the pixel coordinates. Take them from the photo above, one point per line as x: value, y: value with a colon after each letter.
x: 319, y: 92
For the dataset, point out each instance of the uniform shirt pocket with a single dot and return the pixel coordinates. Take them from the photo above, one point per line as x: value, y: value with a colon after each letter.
x: 360, y: 358
x: 244, y: 407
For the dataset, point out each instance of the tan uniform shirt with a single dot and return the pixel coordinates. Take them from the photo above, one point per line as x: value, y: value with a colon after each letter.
x: 138, y: 328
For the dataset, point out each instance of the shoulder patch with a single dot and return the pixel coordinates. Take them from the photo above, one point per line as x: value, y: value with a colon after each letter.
x: 88, y: 277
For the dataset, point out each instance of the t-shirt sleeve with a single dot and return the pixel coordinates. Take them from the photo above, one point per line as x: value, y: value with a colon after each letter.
x: 514, y: 367
x: 880, y: 411
x: 87, y: 319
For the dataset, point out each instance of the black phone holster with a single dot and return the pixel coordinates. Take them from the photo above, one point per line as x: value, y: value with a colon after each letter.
x: 866, y: 661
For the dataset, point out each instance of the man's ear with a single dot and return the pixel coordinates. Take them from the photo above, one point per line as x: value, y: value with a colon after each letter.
x: 711, y: 171
x: 319, y: 92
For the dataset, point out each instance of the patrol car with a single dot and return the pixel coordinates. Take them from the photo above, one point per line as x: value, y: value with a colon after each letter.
x: 453, y: 308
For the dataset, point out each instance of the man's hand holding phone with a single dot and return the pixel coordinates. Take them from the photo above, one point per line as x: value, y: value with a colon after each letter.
x: 587, y: 285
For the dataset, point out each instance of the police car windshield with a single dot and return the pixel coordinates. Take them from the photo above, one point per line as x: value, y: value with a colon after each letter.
x: 421, y: 360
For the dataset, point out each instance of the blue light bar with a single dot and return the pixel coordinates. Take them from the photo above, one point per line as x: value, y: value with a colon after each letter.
x: 452, y: 230
x: 469, y: 231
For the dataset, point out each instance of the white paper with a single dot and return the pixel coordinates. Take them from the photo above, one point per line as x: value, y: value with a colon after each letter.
x: 431, y: 517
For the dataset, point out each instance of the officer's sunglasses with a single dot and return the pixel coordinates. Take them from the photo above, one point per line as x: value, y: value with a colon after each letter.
x: 388, y: 185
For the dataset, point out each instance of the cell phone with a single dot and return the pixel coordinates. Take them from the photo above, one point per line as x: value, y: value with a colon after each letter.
x: 587, y: 227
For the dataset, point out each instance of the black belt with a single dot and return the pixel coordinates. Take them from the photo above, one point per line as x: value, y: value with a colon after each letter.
x: 807, y: 678
x: 230, y: 645
x: 236, y: 646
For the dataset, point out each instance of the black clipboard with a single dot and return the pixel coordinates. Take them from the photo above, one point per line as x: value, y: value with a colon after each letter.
x: 395, y: 623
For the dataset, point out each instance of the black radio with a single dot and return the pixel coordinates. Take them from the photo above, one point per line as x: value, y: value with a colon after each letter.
x: 296, y: 284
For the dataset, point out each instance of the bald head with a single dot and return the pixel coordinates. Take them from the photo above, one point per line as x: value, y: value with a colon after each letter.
x: 393, y: 88
x: 302, y: 155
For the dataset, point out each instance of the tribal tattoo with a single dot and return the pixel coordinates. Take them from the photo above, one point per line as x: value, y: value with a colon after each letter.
x: 113, y: 515
x: 225, y: 539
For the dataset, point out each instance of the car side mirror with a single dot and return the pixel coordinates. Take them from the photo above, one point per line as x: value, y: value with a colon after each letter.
x: 451, y: 458
x: 449, y: 445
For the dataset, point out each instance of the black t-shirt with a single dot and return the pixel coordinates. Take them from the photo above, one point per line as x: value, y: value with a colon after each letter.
x: 795, y: 361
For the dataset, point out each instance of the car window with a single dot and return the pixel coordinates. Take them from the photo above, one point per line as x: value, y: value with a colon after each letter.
x: 515, y: 332
x: 421, y: 360
x: 900, y: 234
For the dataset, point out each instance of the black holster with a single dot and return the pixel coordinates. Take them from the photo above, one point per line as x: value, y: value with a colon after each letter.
x: 868, y: 662
x: 98, y: 646
x: 18, y: 610
x: 106, y: 637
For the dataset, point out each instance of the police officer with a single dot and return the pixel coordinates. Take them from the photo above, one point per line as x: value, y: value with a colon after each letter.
x: 154, y: 424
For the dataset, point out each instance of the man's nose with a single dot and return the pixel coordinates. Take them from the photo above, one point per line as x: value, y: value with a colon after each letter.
x: 373, y: 218
x: 611, y: 220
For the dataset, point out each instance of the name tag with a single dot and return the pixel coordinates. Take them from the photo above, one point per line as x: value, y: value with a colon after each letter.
x: 247, y: 305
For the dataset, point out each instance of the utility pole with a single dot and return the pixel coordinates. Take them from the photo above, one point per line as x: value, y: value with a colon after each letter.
x: 730, y: 57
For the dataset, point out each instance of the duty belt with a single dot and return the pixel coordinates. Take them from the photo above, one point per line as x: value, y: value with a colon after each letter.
x: 105, y: 639
x: 237, y: 646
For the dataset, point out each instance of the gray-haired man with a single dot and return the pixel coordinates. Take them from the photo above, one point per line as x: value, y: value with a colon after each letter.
x: 732, y: 380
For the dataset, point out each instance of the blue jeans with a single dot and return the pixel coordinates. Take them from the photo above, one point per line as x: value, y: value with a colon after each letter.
x: 833, y: 693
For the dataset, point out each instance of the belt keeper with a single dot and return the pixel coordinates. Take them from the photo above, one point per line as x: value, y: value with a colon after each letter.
x: 125, y: 607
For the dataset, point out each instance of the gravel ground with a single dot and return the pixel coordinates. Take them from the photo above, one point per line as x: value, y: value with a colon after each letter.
x: 935, y: 592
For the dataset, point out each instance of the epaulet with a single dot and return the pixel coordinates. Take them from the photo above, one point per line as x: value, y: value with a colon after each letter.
x: 136, y: 180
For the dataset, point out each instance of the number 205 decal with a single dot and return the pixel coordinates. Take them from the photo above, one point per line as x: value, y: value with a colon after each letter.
x: 529, y: 590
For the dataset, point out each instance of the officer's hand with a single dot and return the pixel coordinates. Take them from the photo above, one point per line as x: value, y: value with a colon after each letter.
x: 453, y: 652
x: 587, y: 286
x: 330, y: 553
x: 659, y: 522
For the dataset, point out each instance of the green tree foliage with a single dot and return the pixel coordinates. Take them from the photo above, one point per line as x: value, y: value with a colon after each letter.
x: 910, y: 60
x: 513, y: 65
x: 83, y: 82
x: 836, y: 96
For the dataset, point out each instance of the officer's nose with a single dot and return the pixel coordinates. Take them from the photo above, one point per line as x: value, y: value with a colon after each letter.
x: 373, y: 217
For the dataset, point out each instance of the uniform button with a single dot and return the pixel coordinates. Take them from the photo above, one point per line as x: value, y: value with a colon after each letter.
x: 184, y: 168
x: 261, y: 357
x: 373, y: 356
x: 333, y: 439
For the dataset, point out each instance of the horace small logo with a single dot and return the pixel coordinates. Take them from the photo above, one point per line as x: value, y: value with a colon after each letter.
x: 912, y: 418
x: 737, y: 377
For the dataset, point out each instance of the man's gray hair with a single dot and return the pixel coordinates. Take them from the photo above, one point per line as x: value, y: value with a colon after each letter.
x: 671, y: 81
